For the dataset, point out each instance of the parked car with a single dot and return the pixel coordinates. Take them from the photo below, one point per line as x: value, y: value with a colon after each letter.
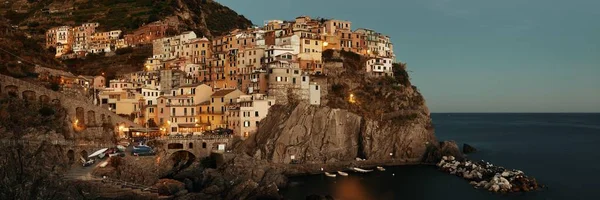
x: 142, y: 151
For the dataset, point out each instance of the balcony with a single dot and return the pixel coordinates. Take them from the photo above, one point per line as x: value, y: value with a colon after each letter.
x: 254, y: 80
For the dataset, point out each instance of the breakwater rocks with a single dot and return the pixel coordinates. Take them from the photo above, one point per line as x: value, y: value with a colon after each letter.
x: 484, y: 175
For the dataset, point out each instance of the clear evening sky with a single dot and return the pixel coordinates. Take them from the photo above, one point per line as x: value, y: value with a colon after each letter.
x: 476, y: 55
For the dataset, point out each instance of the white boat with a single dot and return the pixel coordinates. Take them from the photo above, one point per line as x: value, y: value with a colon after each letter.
x: 341, y: 173
x: 356, y: 169
x: 380, y: 168
x: 330, y: 174
x: 97, y: 153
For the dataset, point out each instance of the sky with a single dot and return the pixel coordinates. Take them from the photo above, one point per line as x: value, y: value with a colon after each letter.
x: 476, y: 55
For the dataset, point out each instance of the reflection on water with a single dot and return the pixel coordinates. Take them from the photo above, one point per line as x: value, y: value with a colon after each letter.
x: 350, y: 189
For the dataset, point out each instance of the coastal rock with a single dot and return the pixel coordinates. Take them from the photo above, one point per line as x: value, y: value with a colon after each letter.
x: 485, y: 175
x: 450, y: 148
x: 308, y: 134
x: 169, y: 187
x: 467, y: 149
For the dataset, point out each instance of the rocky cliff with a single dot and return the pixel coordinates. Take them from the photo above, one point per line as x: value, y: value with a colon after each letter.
x: 375, y: 118
x: 309, y: 133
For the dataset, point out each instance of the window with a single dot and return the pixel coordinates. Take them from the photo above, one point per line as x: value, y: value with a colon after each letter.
x: 161, y: 110
x: 173, y: 111
x: 306, y: 41
x: 256, y: 113
x: 204, y: 145
x: 278, y: 79
x: 222, y: 99
x: 246, y: 124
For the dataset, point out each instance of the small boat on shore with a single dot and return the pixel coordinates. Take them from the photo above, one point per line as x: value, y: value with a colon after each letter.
x: 330, y: 175
x: 356, y: 169
x: 380, y: 168
x: 341, y: 173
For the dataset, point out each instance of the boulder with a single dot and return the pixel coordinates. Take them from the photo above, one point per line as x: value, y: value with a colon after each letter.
x: 168, y: 187
x: 467, y: 149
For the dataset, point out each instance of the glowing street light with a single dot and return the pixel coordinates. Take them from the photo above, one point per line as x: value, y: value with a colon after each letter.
x: 352, y: 100
x: 325, y: 44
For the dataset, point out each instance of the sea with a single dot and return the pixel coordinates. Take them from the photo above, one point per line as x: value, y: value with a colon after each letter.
x: 562, y: 151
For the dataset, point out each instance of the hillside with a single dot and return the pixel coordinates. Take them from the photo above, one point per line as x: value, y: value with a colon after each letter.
x: 203, y: 16
x: 24, y: 23
x: 19, y: 55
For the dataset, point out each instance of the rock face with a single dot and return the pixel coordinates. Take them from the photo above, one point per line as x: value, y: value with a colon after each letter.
x: 169, y: 187
x: 450, y: 148
x: 468, y: 149
x: 381, y: 140
x: 308, y: 134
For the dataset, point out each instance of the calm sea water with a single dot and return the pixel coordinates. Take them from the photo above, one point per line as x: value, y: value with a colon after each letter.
x: 561, y: 150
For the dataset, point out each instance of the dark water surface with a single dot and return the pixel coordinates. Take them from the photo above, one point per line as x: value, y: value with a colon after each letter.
x: 561, y: 150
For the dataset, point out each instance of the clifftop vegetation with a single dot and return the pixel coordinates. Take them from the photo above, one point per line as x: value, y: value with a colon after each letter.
x: 372, y: 97
x: 203, y: 16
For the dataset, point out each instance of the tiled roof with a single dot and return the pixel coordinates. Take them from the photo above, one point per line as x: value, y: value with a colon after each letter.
x: 222, y: 93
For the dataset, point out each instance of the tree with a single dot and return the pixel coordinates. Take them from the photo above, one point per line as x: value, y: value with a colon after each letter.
x: 152, y: 123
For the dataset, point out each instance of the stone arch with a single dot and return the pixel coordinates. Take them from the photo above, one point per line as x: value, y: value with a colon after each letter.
x: 83, y: 154
x: 11, y: 90
x: 44, y: 99
x: 182, y: 159
x: 29, y: 95
x: 91, y: 118
x: 80, y: 115
x: 174, y: 146
x: 71, y: 156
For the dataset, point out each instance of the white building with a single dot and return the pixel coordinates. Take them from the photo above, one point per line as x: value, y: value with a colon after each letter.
x: 380, y: 67
x: 151, y: 95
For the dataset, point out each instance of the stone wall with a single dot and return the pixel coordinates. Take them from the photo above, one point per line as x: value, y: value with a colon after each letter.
x: 199, y: 147
x: 80, y: 112
x: 283, y: 94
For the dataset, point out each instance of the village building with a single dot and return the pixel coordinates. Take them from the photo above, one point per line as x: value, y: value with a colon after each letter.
x: 213, y: 112
x: 245, y: 114
x: 380, y: 67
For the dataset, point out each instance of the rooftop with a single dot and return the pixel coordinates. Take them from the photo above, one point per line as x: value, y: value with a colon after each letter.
x: 222, y: 92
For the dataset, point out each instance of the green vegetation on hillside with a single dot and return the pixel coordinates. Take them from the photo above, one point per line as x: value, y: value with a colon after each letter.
x: 206, y: 16
x: 125, y: 61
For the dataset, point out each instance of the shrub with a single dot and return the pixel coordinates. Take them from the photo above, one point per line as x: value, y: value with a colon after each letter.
x: 54, y: 86
x: 46, y: 111
x: 338, y: 89
x: 209, y: 162
x: 122, y: 51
